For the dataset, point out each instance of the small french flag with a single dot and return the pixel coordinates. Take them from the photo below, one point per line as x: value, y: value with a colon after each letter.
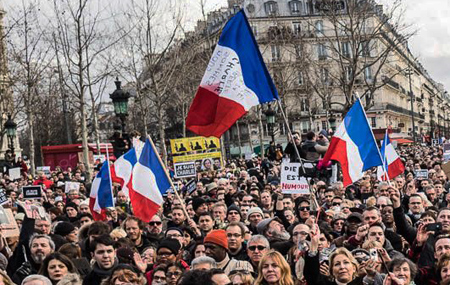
x: 392, y: 162
x: 101, y: 196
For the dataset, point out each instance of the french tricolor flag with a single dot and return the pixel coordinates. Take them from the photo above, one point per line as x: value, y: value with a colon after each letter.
x: 354, y: 145
x: 392, y: 162
x: 101, y: 196
x: 143, y: 177
x: 235, y: 80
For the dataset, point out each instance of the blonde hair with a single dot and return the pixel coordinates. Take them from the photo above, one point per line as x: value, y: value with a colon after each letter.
x: 118, y: 233
x: 346, y: 253
x: 372, y: 201
x: 286, y: 277
x: 368, y: 244
x: 247, y: 279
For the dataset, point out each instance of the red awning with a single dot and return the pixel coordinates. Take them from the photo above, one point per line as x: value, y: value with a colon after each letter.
x: 402, y: 141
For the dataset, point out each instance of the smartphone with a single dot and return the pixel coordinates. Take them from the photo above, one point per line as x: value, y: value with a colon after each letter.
x: 373, y: 254
x: 434, y: 227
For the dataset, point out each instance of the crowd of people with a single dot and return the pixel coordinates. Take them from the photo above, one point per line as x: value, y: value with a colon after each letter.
x: 237, y: 227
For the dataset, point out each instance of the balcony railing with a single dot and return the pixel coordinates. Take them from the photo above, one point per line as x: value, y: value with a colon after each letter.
x: 403, y: 111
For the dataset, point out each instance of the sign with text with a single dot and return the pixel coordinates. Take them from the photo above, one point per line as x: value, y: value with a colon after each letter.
x: 32, y: 192
x: 421, y: 174
x: 45, y: 169
x: 203, y: 161
x: 8, y: 224
x: 291, y: 181
x: 3, y: 197
x: 190, y: 187
x: 185, y: 169
x: 14, y: 173
x: 194, y: 144
x: 69, y: 185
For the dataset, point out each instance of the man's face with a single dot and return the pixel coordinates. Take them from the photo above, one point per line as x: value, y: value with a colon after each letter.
x: 71, y: 212
x: 444, y: 218
x: 235, y: 238
x: 287, y: 203
x: 371, y: 217
x: 43, y: 226
x: 277, y: 230
x: 383, y: 191
x: 233, y: 216
x: 439, y: 189
x: 415, y: 205
x: 387, y: 215
x: 133, y: 231
x: 205, y: 223
x: 215, y: 252
x: 84, y: 209
x: 85, y: 221
x: 219, y: 213
x: 304, y: 209
x: 328, y: 199
x: 441, y: 247
x: 431, y: 194
x: 104, y: 255
x: 424, y: 183
x: 266, y: 199
x: 376, y: 234
x: 399, y: 183
x: 202, y: 209
x: 40, y: 249
x: 121, y: 198
x: 247, y: 200
x: 255, y: 250
x: 244, y: 211
x: 178, y: 216
x: 220, y: 279
x: 255, y: 218
x: 155, y: 225
x: 175, y: 235
x: 300, y: 233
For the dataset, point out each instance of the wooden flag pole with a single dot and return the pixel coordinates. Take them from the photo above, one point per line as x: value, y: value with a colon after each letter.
x: 168, y: 177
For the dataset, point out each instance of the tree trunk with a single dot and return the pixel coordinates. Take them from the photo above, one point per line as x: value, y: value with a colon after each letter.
x: 250, y: 138
x: 31, y: 141
x: 261, y: 133
x: 239, y: 138
x: 162, y: 136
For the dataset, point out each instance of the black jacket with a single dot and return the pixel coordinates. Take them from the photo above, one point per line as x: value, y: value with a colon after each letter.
x: 97, y: 275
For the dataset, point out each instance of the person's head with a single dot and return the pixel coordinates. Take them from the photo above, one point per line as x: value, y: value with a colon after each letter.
x: 216, y: 245
x: 274, y: 269
x: 198, y: 250
x: 343, y: 266
x: 241, y: 278
x: 168, y: 251
x: 254, y: 216
x: 387, y: 215
x: 404, y: 269
x: 67, y: 230
x: 103, y: 252
x: 159, y: 275
x: 41, y: 246
x: 43, y: 225
x: 266, y: 199
x: 134, y: 227
x: 218, y: 277
x: 121, y: 198
x: 125, y: 274
x: 71, y: 210
x: 441, y: 246
x: 36, y: 279
x: 203, y: 263
x: 205, y: 222
x: 303, y: 209
x: 443, y: 267
x: 175, y: 233
x: 155, y: 225
x: 444, y: 218
x: 234, y: 214
x: 173, y: 272
x: 219, y: 211
x: 97, y: 229
x: 117, y: 234
x: 415, y: 204
x: 178, y: 216
x: 376, y: 233
x: 86, y: 219
x: 371, y: 215
x: 273, y: 229
x: 257, y: 246
x: 296, y: 138
x: 56, y: 266
x: 300, y: 233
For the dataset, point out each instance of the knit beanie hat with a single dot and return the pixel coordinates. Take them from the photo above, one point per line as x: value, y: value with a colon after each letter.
x: 233, y: 207
x: 254, y: 210
x: 218, y: 237
x: 72, y: 205
x: 171, y: 244
x: 197, y: 202
x: 64, y: 228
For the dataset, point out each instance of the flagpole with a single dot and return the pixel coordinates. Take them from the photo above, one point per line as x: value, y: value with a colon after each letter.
x: 373, y: 136
x: 109, y: 172
x: 313, y: 196
x: 384, y: 156
x: 168, y: 178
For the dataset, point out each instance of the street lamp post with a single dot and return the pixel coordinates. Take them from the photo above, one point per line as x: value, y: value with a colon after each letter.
x: 409, y: 72
x: 120, y: 101
x: 11, y: 129
x: 270, y: 117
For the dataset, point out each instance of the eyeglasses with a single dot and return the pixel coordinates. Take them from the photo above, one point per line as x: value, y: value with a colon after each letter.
x: 170, y: 274
x: 254, y: 247
x: 155, y: 223
x: 173, y: 236
x: 300, y: 233
x: 303, y: 208
x: 159, y: 278
x: 336, y: 204
x: 233, y: 235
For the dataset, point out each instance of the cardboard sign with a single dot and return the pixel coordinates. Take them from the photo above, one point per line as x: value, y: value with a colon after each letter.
x: 434, y: 142
x: 45, y: 169
x: 3, y: 197
x: 291, y: 181
x: 14, y: 173
x: 8, y: 223
x: 185, y: 169
x: 32, y: 192
x: 72, y: 186
x: 421, y: 174
x: 190, y: 187
x: 248, y: 156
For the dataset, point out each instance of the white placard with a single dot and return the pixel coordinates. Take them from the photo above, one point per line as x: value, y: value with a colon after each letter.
x: 45, y: 169
x: 291, y: 181
x: 185, y: 169
x: 14, y: 173
x: 72, y: 186
x: 248, y: 156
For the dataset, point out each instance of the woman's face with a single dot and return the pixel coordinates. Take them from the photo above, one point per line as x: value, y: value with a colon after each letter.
x: 172, y: 275
x: 323, y: 242
x: 445, y: 271
x: 271, y: 271
x: 56, y: 270
x: 73, y: 236
x: 403, y: 272
x: 343, y: 269
x: 200, y: 250
x: 148, y: 256
x: 237, y: 280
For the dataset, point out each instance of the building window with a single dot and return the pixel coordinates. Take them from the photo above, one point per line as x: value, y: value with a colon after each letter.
x: 368, y: 73
x: 271, y: 8
x: 303, y: 105
x: 319, y: 27
x: 365, y: 49
x: 324, y: 125
x: 348, y: 73
x: 324, y: 75
x: 346, y: 50
x: 296, y: 7
x: 276, y: 55
x: 322, y: 51
x: 300, y: 78
x: 255, y: 30
x: 297, y: 28
x: 373, y: 122
x: 305, y: 126
x: 298, y: 50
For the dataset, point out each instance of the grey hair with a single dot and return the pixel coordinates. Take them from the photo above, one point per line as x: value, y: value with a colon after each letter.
x: 48, y: 238
x: 259, y: 238
x: 34, y: 277
x: 383, y: 183
x: 203, y: 260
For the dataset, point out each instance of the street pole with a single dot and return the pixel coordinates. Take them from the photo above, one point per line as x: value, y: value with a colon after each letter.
x: 412, y: 105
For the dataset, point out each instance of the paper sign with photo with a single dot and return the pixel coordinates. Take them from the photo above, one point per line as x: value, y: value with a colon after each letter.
x: 3, y: 197
x: 8, y: 223
x: 32, y: 192
x: 72, y: 186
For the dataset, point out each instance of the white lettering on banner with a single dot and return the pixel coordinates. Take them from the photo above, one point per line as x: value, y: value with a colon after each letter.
x: 291, y: 181
x: 185, y: 169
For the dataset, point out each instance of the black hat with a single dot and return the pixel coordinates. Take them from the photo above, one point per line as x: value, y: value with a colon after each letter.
x: 72, y: 205
x: 235, y: 208
x: 171, y: 244
x: 64, y: 228
x: 355, y: 216
x: 197, y: 202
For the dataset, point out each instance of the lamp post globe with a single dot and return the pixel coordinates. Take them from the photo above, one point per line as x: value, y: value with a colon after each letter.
x: 120, y: 101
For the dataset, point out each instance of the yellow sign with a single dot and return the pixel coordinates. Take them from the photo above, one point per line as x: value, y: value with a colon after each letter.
x: 203, y: 161
x: 194, y: 144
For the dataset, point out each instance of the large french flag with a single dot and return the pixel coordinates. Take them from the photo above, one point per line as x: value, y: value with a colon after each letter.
x: 354, y: 145
x: 392, y: 162
x: 148, y: 184
x: 123, y: 169
x: 101, y: 196
x: 235, y: 80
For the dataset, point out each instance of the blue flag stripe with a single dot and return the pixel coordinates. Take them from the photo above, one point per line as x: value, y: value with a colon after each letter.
x: 149, y: 159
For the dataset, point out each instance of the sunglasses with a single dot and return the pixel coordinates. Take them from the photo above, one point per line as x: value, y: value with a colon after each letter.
x: 254, y: 247
x: 336, y: 204
x: 304, y: 208
x: 155, y: 223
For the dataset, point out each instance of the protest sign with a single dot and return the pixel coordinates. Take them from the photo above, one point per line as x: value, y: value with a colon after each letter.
x: 248, y: 156
x: 184, y: 145
x: 45, y: 169
x: 8, y: 224
x: 72, y: 186
x: 185, y: 169
x: 32, y: 192
x: 190, y: 187
x: 421, y: 174
x: 100, y: 157
x: 434, y: 142
x: 291, y: 181
x: 3, y: 197
x: 446, y: 169
x: 14, y: 173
